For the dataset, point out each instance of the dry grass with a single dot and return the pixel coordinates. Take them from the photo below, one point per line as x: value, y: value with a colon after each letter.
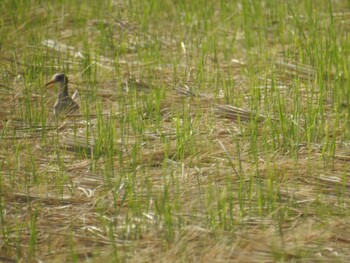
x: 160, y: 166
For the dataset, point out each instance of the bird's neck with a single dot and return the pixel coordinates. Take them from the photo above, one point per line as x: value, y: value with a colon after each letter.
x: 63, y: 92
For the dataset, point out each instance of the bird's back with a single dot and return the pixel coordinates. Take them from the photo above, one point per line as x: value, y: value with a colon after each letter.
x: 65, y: 106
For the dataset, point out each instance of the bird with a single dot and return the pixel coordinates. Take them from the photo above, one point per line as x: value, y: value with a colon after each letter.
x: 64, y: 104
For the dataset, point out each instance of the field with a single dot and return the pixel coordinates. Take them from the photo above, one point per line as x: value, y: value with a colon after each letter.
x: 208, y: 131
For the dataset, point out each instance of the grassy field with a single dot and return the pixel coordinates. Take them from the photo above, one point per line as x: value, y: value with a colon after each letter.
x: 209, y: 131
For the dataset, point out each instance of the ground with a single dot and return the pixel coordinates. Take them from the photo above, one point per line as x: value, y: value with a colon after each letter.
x: 208, y: 131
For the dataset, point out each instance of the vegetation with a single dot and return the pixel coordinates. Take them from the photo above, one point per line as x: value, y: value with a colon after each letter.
x: 209, y: 131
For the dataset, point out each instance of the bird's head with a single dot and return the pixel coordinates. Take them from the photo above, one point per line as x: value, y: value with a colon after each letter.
x: 58, y: 78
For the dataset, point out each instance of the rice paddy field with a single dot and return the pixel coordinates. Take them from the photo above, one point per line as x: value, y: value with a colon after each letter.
x: 208, y: 131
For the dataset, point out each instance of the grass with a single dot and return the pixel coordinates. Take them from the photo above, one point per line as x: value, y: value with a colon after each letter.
x: 208, y: 131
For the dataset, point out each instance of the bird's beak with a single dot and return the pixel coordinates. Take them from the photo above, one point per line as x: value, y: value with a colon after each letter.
x: 50, y: 82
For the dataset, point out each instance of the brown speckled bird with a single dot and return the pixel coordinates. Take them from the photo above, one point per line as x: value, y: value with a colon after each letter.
x: 64, y: 104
